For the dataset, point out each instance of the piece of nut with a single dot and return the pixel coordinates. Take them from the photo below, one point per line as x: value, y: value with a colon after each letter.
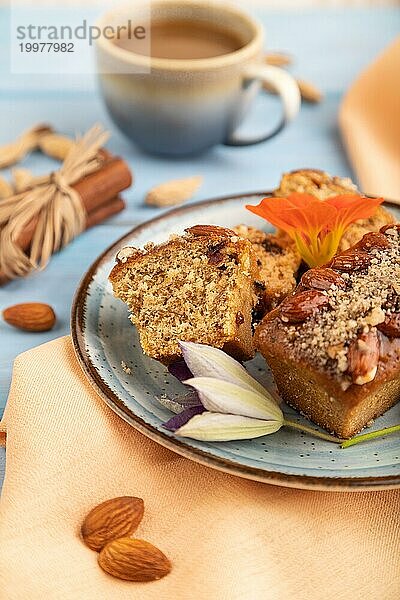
x: 26, y: 142
x: 375, y: 316
x: 209, y: 230
x: 31, y: 316
x: 134, y: 560
x: 301, y: 306
x: 391, y: 227
x: 112, y: 519
x: 55, y: 145
x: 363, y: 357
x: 351, y: 261
x: 333, y: 351
x: 322, y: 279
x: 373, y: 240
x: 309, y: 92
x: 278, y: 59
x: 391, y: 325
x: 173, y: 192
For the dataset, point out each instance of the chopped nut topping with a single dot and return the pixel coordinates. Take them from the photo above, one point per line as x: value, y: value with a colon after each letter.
x: 366, y: 302
x: 126, y: 253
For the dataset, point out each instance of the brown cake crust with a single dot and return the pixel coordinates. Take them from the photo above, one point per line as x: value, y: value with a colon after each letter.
x: 196, y: 287
x: 334, y: 345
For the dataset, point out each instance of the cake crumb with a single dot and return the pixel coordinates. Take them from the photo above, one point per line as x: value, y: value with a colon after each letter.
x: 125, y: 368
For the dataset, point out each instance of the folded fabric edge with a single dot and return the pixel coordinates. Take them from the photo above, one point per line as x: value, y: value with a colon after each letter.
x: 18, y: 358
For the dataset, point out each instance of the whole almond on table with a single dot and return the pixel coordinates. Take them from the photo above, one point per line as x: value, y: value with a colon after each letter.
x: 114, y: 518
x: 55, y: 145
x: 31, y: 316
x: 134, y: 560
x: 173, y: 192
x: 278, y: 59
x: 25, y: 143
x: 309, y: 92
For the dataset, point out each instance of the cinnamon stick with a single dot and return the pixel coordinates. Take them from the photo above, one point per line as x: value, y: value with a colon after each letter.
x: 95, y: 217
x: 103, y: 185
x: 105, y: 211
x: 94, y: 190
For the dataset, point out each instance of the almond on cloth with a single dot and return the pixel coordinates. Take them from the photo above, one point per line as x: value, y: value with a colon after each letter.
x: 31, y: 316
x: 114, y: 518
x: 173, y: 192
x: 134, y: 560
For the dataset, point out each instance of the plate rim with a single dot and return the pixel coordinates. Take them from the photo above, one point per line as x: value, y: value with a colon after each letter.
x: 318, y: 483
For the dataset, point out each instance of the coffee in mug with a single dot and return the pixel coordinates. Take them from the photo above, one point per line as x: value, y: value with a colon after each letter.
x: 190, y: 85
x: 183, y: 40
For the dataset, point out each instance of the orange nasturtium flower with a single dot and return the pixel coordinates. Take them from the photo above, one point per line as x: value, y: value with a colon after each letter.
x: 316, y: 226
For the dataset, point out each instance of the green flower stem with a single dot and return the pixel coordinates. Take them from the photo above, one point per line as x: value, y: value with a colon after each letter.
x: 314, y: 432
x: 370, y: 436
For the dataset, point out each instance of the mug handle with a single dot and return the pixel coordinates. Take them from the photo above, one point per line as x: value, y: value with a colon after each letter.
x: 286, y: 87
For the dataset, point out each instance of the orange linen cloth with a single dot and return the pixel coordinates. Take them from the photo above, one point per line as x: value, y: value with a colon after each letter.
x: 369, y: 120
x: 228, y: 538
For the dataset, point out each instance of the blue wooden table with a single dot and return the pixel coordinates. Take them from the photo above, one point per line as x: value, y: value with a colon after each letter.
x: 330, y: 47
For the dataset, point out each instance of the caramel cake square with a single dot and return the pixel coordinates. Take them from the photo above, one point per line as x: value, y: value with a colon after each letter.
x: 334, y: 345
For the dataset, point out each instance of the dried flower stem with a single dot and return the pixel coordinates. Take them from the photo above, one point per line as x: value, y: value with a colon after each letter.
x: 314, y: 432
x: 370, y: 436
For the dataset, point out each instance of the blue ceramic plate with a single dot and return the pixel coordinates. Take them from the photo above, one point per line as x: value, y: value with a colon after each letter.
x: 103, y: 337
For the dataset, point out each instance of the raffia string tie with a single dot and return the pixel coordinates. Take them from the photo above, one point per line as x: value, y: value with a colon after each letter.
x: 52, y: 207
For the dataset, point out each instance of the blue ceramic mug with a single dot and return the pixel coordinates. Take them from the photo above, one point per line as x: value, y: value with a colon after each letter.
x: 184, y: 106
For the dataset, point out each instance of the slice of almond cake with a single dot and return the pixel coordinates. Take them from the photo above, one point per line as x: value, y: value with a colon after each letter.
x: 197, y: 287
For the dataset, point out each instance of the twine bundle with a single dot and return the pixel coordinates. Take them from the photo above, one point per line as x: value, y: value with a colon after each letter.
x: 53, y: 205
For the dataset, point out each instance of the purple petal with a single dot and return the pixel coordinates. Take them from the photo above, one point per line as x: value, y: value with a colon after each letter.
x: 180, y: 370
x: 178, y: 421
